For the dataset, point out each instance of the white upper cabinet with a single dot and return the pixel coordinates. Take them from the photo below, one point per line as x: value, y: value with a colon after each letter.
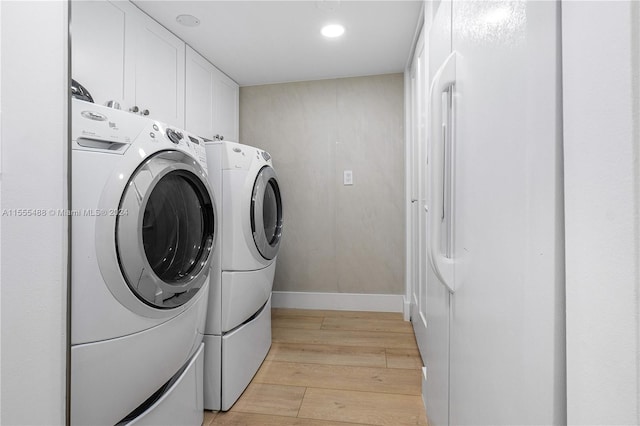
x: 211, y: 100
x: 98, y: 29
x: 199, y: 95
x: 226, y: 99
x: 119, y: 53
x: 157, y: 78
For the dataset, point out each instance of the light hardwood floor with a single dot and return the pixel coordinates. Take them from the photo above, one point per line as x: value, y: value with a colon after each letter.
x: 331, y: 368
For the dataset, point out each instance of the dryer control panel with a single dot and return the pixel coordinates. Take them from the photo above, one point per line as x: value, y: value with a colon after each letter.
x: 239, y: 157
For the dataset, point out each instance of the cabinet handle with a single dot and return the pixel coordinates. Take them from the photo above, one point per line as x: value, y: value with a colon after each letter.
x: 218, y: 137
x: 113, y: 104
x: 445, y: 78
x: 134, y: 108
x: 145, y: 112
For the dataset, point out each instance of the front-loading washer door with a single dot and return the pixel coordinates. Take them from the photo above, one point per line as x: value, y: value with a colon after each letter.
x: 165, y: 232
x: 266, y: 213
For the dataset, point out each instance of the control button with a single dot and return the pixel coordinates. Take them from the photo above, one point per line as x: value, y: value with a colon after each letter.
x: 266, y: 156
x: 153, y: 135
x: 155, y: 127
x: 237, y: 150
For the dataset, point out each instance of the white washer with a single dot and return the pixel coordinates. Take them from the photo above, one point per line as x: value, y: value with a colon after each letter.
x: 143, y: 233
x: 238, y: 331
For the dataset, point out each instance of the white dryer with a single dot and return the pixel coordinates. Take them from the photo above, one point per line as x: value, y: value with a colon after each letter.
x: 144, y: 227
x: 238, y: 330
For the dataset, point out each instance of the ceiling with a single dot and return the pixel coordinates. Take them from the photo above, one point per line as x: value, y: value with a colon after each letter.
x: 262, y: 42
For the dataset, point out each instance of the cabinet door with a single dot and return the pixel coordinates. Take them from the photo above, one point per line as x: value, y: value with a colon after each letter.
x: 199, y: 95
x: 98, y: 31
x: 225, y: 106
x: 157, y: 79
x: 211, y: 104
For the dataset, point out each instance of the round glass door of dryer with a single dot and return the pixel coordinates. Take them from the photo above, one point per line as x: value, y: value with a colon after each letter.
x: 266, y: 213
x: 165, y: 232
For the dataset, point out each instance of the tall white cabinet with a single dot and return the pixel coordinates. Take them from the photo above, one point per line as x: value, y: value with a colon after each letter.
x: 211, y: 109
x: 491, y: 173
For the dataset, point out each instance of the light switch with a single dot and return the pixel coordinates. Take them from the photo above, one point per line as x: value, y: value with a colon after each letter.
x: 348, y: 177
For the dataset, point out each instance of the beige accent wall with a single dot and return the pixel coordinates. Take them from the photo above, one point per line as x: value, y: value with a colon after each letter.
x: 346, y: 239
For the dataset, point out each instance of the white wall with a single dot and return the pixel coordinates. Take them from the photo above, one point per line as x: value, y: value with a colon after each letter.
x: 601, y: 72
x: 34, y: 87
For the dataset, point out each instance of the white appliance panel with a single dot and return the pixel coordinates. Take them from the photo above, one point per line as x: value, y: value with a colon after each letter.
x: 127, y: 370
x: 88, y: 283
x: 233, y: 359
x: 183, y: 403
x: 244, y: 292
x: 123, y: 349
x: 99, y: 178
x: 243, y: 351
x: 239, y: 319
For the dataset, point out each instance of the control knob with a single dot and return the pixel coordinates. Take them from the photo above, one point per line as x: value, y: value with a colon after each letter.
x: 174, y: 136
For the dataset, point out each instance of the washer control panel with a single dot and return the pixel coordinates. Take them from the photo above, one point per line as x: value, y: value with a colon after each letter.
x: 180, y: 139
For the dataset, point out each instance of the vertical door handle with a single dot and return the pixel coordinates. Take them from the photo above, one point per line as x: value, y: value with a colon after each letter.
x: 445, y: 78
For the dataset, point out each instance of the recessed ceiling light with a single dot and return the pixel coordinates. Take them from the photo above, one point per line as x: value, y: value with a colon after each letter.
x: 328, y: 5
x: 188, y: 20
x: 332, y: 31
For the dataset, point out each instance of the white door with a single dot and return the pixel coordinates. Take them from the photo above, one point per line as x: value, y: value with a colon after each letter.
x: 418, y: 194
x: 507, y: 327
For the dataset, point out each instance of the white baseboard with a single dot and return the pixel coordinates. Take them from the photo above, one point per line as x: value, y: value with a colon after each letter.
x: 424, y: 387
x: 406, y: 308
x: 339, y: 301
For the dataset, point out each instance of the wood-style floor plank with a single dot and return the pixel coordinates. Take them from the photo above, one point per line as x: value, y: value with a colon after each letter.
x: 232, y: 418
x: 270, y: 399
x: 340, y: 377
x: 403, y: 358
x: 327, y: 354
x: 209, y: 417
x: 344, y: 337
x: 292, y: 321
x: 280, y: 312
x: 363, y: 407
x: 367, y: 324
